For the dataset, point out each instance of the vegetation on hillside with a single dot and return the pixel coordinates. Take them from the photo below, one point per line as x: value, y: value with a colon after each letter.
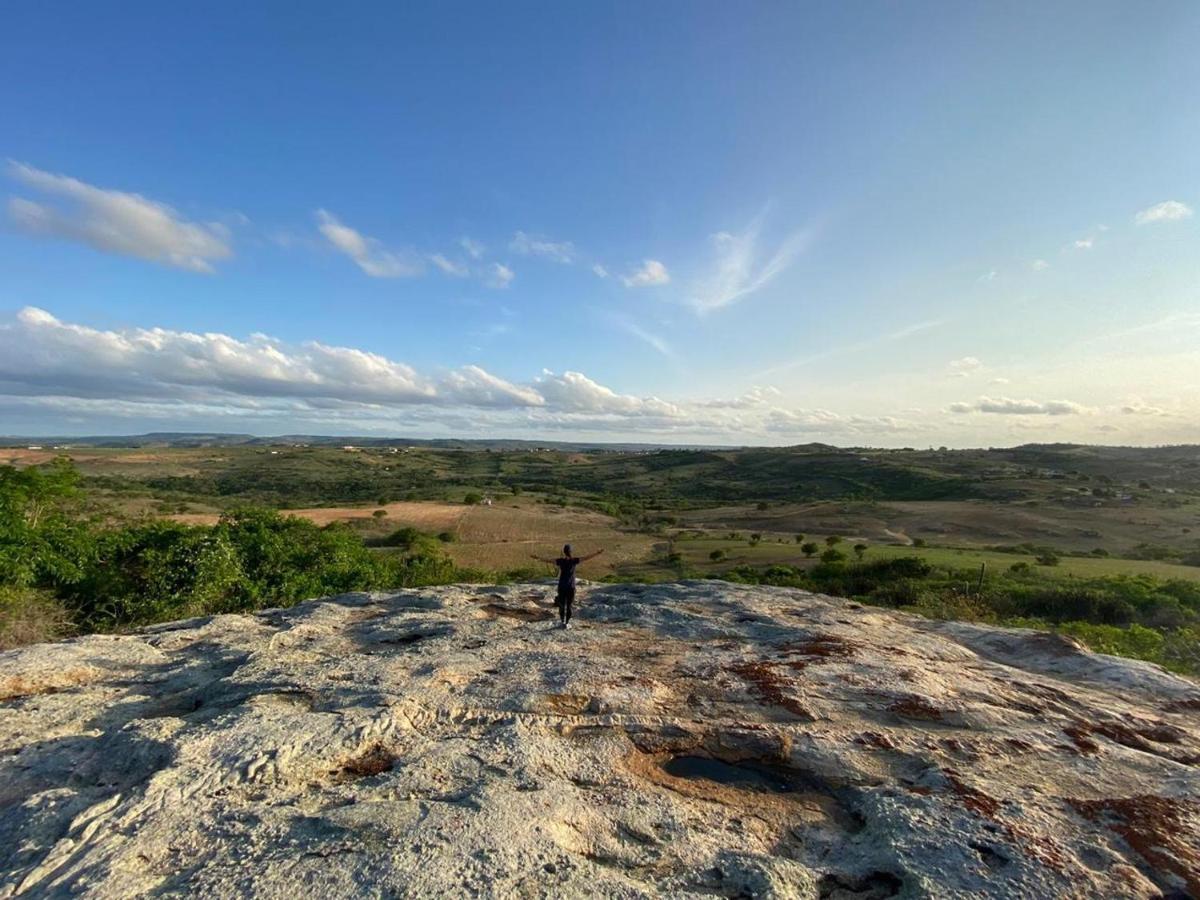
x: 63, y: 569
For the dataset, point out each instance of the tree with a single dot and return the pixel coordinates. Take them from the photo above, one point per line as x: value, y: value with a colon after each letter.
x: 810, y: 549
x: 799, y: 539
x: 832, y: 555
x: 755, y: 538
x: 833, y: 539
x: 717, y: 555
x: 473, y: 498
x: 762, y: 505
x: 859, y: 550
x: 379, y: 514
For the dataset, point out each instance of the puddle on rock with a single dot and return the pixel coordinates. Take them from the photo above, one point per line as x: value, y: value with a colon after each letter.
x: 746, y: 777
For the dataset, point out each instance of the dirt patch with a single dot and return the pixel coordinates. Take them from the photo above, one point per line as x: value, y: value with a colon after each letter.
x: 375, y: 760
x: 52, y: 683
x: 818, y: 649
x: 521, y: 614
x: 917, y: 707
x: 771, y: 687
x: 1162, y: 831
x: 1143, y: 735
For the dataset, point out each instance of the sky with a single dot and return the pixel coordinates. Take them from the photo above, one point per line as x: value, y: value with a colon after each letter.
x: 863, y: 223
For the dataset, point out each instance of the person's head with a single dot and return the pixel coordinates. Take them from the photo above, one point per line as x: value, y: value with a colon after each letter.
x: 566, y: 549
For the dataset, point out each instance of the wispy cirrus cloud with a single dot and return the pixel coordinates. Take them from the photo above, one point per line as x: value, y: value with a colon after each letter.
x: 117, y: 222
x: 1167, y: 211
x: 366, y: 252
x: 741, y: 266
x: 449, y: 266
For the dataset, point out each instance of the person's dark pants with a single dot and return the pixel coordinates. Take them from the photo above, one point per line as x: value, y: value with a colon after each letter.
x: 566, y: 597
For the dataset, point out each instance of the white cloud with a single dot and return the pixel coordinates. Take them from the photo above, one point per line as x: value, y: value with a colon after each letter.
x: 535, y: 245
x: 752, y: 399
x: 963, y: 367
x: 1084, y: 243
x: 1008, y: 406
x: 458, y: 270
x: 1167, y: 211
x: 472, y: 248
x: 1039, y: 265
x: 990, y: 275
x: 366, y: 252
x: 116, y: 222
x: 1138, y: 408
x: 575, y: 392
x: 599, y: 271
x: 998, y: 380
x: 499, y: 276
x: 739, y: 268
x: 651, y: 274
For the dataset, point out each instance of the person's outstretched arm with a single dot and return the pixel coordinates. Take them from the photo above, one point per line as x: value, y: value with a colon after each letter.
x: 591, y: 555
x: 542, y: 559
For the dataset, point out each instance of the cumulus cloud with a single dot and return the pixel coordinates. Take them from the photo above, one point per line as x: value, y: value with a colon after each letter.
x: 752, y: 399
x: 1167, y: 211
x: 43, y: 357
x: 472, y: 248
x: 575, y: 392
x: 963, y: 367
x: 1138, y: 408
x: 599, y: 271
x: 499, y: 276
x: 1011, y: 407
x: 115, y: 222
x: 741, y: 267
x: 366, y: 252
x: 536, y: 245
x: 650, y: 274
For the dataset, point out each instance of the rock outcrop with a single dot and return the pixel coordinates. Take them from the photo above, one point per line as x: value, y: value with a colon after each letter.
x: 698, y: 738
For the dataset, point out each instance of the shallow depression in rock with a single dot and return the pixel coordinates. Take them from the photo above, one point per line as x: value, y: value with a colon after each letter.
x: 744, y: 776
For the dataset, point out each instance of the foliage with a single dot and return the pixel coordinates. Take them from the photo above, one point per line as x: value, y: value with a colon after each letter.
x: 61, y: 570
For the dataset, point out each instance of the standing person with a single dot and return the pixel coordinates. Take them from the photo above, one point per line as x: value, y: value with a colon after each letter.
x: 567, y: 563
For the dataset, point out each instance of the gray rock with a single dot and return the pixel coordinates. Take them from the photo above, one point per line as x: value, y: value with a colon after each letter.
x: 690, y: 739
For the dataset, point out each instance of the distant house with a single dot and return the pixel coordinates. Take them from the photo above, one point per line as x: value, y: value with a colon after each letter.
x: 34, y: 447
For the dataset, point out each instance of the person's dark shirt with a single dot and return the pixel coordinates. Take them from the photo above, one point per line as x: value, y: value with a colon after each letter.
x: 566, y: 570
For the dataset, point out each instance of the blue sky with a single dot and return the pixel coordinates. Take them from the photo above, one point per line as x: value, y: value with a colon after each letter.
x: 864, y: 223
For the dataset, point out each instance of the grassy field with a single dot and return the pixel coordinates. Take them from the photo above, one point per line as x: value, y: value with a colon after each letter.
x: 1128, y: 502
x: 772, y: 550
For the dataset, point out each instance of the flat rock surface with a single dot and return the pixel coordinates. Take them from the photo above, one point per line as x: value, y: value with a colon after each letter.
x: 690, y: 739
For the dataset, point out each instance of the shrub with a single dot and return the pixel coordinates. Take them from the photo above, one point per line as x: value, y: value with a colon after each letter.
x: 717, y: 555
x: 859, y: 550
x: 755, y: 538
x: 473, y: 499
x: 832, y: 555
x: 762, y: 505
x: 833, y: 539
x: 379, y: 514
x: 809, y: 549
x: 918, y: 542
x: 29, y: 616
x: 447, y: 537
x: 799, y: 539
x: 1048, y: 559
